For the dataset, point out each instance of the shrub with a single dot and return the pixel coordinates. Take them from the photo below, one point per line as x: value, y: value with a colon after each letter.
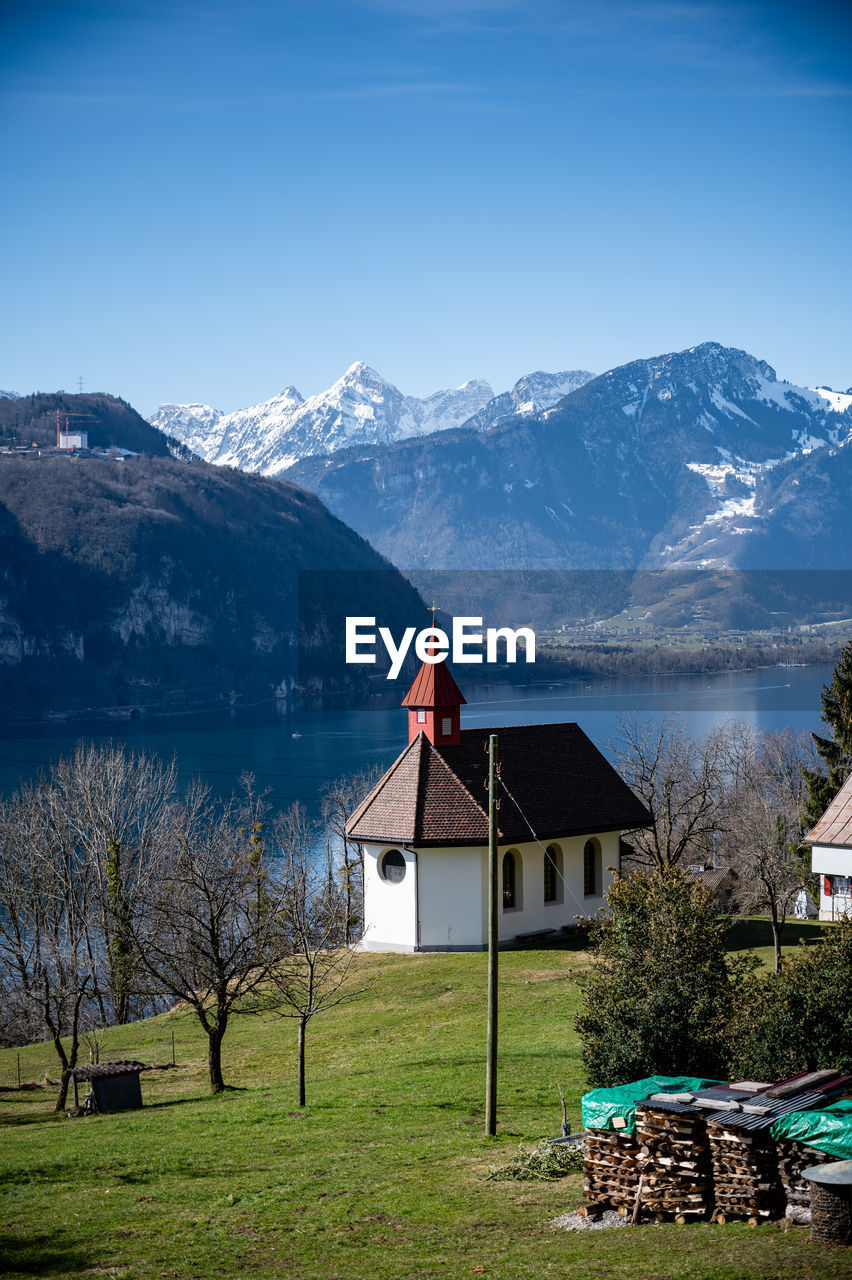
x: 799, y: 1019
x: 661, y: 988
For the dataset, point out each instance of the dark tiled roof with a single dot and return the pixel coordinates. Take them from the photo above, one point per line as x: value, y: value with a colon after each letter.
x: 835, y: 825
x: 713, y: 877
x: 103, y: 1069
x: 438, y: 795
x: 434, y: 686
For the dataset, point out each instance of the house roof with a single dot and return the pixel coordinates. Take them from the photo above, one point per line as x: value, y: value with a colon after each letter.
x: 713, y: 877
x: 835, y: 825
x: 434, y: 686
x: 438, y: 795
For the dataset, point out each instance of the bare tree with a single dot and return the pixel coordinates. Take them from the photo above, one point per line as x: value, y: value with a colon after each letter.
x: 118, y: 806
x: 682, y: 781
x: 46, y: 966
x: 764, y: 838
x: 212, y: 933
x: 316, y: 973
x: 345, y: 857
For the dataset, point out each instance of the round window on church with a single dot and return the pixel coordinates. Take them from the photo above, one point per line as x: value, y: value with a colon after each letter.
x: 393, y: 867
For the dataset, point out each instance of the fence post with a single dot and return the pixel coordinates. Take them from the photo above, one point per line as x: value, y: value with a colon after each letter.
x: 19, y: 1068
x: 173, y: 1046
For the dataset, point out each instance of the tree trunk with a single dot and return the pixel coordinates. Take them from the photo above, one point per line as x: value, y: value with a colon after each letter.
x: 776, y: 937
x: 64, y: 1082
x: 214, y: 1057
x: 303, y: 1022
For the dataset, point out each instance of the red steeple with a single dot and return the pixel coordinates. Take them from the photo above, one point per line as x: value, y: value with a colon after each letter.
x: 434, y: 702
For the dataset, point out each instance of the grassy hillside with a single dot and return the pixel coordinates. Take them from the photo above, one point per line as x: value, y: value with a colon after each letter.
x: 384, y: 1175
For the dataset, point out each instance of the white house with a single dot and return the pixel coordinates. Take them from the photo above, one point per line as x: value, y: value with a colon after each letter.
x: 424, y: 829
x: 831, y: 855
x: 72, y: 439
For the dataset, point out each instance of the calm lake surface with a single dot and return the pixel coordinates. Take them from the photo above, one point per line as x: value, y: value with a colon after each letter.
x: 296, y: 755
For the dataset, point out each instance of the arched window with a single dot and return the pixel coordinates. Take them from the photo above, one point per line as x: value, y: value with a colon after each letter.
x: 553, y: 873
x: 592, y: 868
x: 511, y: 880
x: 392, y: 867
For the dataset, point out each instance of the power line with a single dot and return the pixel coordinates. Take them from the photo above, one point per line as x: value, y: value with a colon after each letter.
x: 540, y: 845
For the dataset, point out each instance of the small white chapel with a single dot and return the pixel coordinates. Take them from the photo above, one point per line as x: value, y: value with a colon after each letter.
x: 424, y: 829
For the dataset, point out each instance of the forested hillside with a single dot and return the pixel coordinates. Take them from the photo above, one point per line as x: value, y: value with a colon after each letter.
x: 155, y: 582
x: 28, y: 420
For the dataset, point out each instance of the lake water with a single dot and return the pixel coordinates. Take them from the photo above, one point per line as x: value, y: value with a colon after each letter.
x: 296, y: 755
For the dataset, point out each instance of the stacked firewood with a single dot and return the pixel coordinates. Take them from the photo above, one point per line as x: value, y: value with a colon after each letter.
x: 674, y: 1159
x: 610, y: 1168
x: 745, y: 1173
x: 793, y: 1157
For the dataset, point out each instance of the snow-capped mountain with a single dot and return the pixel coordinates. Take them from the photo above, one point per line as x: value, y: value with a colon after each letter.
x: 530, y: 394
x: 194, y: 425
x: 9, y: 395
x: 693, y: 459
x: 360, y: 408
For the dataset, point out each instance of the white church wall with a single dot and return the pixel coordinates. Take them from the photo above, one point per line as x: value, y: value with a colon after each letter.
x: 390, y: 907
x: 452, y: 888
x: 447, y: 890
x: 533, y: 914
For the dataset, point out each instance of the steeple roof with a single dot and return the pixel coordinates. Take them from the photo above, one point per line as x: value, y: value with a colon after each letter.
x: 434, y: 686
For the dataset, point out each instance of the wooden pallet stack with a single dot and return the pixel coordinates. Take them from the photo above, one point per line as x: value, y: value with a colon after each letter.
x: 745, y: 1173
x: 793, y: 1157
x: 611, y: 1168
x: 674, y: 1159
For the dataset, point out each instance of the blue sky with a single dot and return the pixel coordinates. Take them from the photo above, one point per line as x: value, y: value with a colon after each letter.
x: 208, y: 201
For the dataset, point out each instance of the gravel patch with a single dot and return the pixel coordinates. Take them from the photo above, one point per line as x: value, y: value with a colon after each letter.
x: 574, y: 1222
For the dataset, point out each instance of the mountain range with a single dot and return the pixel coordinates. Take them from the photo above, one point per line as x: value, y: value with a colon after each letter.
x: 360, y: 409
x: 697, y: 459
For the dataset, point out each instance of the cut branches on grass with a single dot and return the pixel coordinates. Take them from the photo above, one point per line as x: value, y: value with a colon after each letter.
x: 547, y: 1162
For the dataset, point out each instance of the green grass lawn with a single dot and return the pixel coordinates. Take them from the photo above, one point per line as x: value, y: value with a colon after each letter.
x: 384, y: 1175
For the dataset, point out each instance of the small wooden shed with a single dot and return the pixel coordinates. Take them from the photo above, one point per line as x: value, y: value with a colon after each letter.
x: 115, y: 1085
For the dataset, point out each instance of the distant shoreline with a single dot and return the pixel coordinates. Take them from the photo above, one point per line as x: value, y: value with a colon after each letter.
x: 575, y: 663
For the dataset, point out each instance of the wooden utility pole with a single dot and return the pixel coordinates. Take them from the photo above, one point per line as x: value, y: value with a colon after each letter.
x: 491, y: 1068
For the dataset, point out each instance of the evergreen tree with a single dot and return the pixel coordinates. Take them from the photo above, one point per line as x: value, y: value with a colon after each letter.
x: 836, y: 751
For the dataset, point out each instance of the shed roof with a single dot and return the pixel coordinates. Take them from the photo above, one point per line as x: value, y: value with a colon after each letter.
x: 835, y: 826
x: 104, y: 1069
x: 438, y: 795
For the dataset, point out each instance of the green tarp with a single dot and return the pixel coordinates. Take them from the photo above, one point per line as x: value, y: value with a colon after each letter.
x: 829, y: 1130
x: 600, y: 1106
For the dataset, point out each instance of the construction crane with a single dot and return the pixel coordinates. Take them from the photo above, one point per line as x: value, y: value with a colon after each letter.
x: 78, y: 418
